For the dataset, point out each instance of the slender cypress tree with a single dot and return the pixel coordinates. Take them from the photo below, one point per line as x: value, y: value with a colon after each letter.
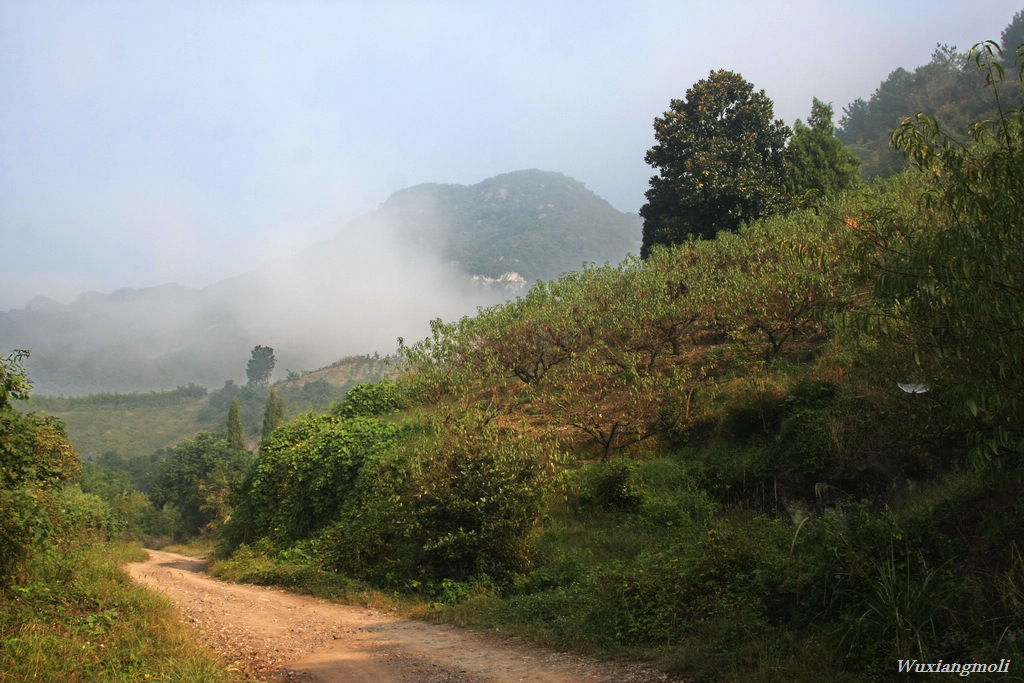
x: 236, y: 436
x: 273, y: 415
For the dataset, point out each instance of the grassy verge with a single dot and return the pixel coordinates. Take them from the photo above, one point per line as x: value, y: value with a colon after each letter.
x: 300, y: 575
x: 637, y: 560
x: 200, y: 548
x: 80, y: 618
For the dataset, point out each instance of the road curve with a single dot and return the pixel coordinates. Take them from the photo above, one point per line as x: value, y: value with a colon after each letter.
x: 270, y: 634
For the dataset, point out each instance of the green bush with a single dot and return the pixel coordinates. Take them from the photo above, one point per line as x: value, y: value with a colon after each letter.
x: 667, y: 595
x: 705, y: 598
x: 36, y: 462
x: 458, y: 503
x: 35, y: 451
x: 670, y: 497
x: 888, y: 585
x: 370, y: 400
x: 302, y: 477
x: 753, y: 409
x: 86, y: 514
x: 27, y: 520
x: 804, y: 444
x: 610, y: 486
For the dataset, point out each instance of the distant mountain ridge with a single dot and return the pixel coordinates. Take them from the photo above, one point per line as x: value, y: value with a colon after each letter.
x: 428, y: 251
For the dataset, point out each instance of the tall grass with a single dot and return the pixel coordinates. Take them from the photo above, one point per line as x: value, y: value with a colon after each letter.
x: 80, y: 618
x: 902, y: 609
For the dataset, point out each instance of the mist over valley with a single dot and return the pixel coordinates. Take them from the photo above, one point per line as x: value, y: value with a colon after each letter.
x: 435, y: 250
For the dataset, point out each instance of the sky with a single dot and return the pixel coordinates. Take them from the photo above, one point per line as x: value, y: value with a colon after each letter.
x: 174, y: 141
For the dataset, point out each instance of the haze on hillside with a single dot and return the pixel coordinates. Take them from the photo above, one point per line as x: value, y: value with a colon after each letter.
x: 429, y: 251
x: 190, y: 150
x: 186, y: 142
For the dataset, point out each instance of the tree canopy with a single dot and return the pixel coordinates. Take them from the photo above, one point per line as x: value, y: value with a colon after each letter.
x: 1012, y: 38
x: 260, y: 365
x: 818, y: 161
x: 196, y: 479
x: 719, y: 155
x: 236, y: 435
x: 946, y: 87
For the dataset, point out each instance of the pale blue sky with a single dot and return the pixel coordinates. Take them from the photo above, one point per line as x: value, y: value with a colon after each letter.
x: 173, y: 141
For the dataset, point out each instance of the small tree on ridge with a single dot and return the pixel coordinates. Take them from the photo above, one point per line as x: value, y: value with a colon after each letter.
x: 260, y: 365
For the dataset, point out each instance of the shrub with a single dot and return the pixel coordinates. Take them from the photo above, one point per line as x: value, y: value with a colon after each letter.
x: 303, y: 475
x: 36, y: 461
x: 370, y: 400
x: 611, y: 486
x: 459, y: 502
x: 804, y: 444
x: 26, y: 522
x: 666, y: 595
x: 86, y: 514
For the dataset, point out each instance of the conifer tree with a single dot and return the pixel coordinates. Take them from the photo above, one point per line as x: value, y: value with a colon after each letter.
x: 818, y: 161
x: 273, y: 415
x: 236, y: 435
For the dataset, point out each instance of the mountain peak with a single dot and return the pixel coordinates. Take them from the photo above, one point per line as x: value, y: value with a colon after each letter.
x: 542, y: 223
x: 43, y: 304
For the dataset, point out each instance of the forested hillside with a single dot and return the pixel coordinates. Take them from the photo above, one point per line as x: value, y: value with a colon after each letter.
x: 945, y: 88
x: 133, y: 431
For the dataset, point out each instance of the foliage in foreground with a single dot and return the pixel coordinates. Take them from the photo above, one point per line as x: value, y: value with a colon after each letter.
x: 952, y: 282
x: 67, y: 611
x: 78, y: 616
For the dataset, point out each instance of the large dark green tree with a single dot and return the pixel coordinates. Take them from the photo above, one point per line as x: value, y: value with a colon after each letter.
x: 261, y: 364
x: 818, y: 161
x: 720, y: 161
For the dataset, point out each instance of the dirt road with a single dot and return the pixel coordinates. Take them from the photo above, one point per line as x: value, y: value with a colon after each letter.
x: 270, y: 634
